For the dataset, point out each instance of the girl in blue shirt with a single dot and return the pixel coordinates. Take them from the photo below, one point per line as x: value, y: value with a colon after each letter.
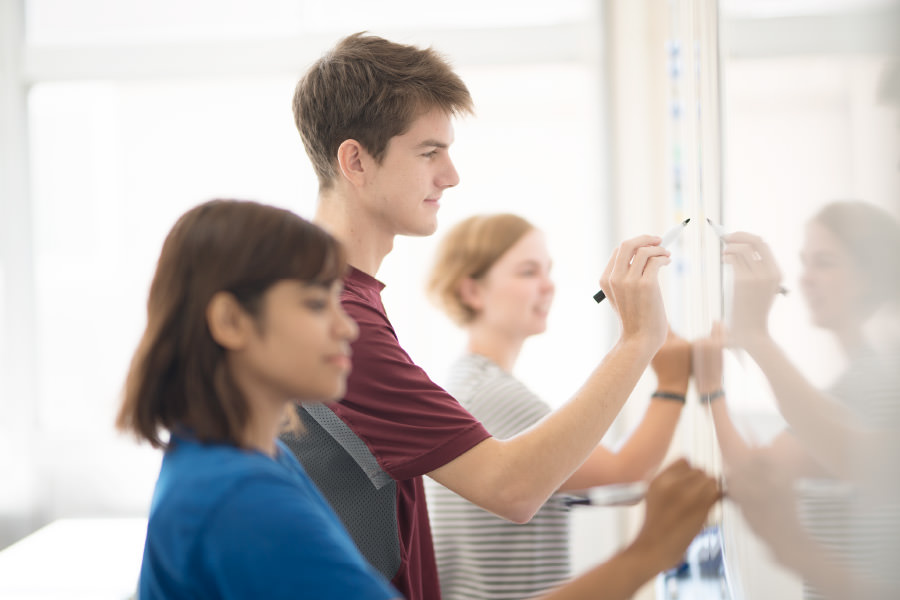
x: 243, y: 319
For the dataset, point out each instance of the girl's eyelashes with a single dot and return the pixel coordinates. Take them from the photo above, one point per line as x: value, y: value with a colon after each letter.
x: 317, y: 304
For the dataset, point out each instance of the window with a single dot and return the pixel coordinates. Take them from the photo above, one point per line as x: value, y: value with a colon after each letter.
x: 134, y: 116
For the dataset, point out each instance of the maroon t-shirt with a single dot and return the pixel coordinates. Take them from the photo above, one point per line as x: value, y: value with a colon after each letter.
x: 409, y: 423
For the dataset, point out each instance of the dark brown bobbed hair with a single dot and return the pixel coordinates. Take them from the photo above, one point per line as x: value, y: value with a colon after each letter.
x: 871, y: 236
x: 178, y: 376
x: 370, y: 89
x: 470, y: 249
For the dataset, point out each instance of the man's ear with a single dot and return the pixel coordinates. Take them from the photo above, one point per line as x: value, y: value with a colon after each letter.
x: 229, y: 324
x: 353, y: 161
x: 470, y: 293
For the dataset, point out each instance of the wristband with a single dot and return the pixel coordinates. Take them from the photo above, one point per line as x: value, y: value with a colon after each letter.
x: 669, y: 396
x: 707, y: 398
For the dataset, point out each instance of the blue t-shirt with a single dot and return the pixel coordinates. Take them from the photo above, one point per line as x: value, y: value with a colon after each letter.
x: 233, y: 523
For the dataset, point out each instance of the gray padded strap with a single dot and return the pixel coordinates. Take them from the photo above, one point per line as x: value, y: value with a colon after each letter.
x: 368, y: 512
x: 349, y: 441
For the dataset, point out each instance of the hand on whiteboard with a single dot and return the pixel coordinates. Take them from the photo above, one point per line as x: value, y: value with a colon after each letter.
x: 678, y: 501
x: 631, y: 284
x: 757, y: 280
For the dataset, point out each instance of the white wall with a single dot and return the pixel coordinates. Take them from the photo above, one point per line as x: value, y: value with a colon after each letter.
x: 128, y: 113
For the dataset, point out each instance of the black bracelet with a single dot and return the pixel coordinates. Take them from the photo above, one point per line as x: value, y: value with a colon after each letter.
x: 669, y: 396
x: 707, y: 398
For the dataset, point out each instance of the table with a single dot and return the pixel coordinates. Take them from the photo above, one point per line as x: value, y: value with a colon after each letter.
x: 75, y: 559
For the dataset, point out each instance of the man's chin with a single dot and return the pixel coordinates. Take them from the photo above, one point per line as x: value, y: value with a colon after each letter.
x: 423, y: 231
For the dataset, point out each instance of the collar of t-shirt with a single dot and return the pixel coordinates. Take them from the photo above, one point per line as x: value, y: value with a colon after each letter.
x: 356, y: 278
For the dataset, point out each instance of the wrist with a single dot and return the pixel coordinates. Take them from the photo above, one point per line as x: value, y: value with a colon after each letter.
x: 640, y: 562
x: 711, y: 395
x: 639, y: 345
x: 662, y: 394
x: 708, y: 387
x: 672, y: 386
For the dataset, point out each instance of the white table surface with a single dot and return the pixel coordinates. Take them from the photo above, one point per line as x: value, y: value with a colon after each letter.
x: 75, y: 559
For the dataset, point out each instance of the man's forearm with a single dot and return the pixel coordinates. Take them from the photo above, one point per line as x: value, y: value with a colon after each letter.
x: 513, y: 478
x: 540, y: 459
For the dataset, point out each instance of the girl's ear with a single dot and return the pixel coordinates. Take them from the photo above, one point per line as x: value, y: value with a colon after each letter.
x: 229, y: 324
x: 470, y: 294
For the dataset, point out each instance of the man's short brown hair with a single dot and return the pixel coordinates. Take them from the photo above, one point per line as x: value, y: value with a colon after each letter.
x: 370, y: 89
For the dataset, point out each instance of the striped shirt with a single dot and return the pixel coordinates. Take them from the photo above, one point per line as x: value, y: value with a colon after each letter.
x: 860, y: 529
x: 479, y: 555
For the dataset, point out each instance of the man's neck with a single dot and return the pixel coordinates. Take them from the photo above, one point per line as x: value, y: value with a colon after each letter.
x: 365, y: 242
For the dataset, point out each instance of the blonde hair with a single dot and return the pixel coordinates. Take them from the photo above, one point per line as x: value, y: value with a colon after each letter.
x: 469, y: 250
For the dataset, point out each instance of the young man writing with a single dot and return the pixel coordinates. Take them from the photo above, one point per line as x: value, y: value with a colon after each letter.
x: 375, y: 118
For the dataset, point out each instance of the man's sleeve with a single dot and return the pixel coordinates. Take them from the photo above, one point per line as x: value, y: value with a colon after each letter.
x: 411, y: 425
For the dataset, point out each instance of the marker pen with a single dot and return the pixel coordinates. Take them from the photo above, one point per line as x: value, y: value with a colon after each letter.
x: 614, y: 494
x: 667, y: 238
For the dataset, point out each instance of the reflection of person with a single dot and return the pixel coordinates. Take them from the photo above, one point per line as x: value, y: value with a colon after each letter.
x: 492, y: 276
x: 846, y: 433
x: 243, y: 318
x: 375, y: 118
